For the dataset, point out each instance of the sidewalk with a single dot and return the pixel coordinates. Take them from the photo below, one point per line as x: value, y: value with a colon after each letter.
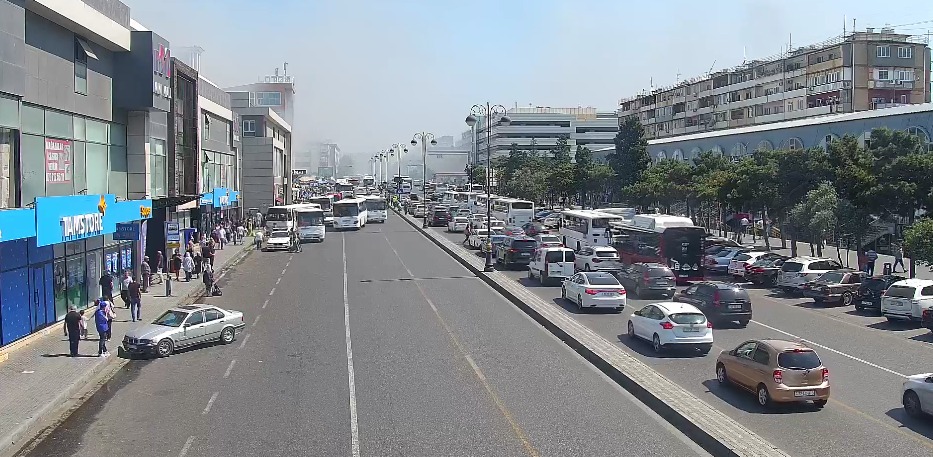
x: 39, y: 378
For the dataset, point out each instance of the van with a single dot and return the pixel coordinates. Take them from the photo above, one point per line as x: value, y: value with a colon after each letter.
x: 798, y: 271
x: 907, y: 299
x: 551, y: 263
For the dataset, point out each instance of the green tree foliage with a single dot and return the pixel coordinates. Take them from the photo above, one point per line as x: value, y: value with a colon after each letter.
x: 664, y: 184
x: 561, y: 151
x: 630, y: 158
x: 816, y: 214
x: 918, y: 242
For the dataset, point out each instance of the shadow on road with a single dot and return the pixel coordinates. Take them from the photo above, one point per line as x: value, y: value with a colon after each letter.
x: 896, y: 326
x: 643, y: 348
x: 922, y: 426
x: 746, y: 401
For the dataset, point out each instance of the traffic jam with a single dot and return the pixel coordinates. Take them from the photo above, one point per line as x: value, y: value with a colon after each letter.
x: 671, y: 293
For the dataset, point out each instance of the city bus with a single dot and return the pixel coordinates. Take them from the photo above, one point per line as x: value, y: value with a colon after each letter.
x: 326, y: 203
x: 517, y: 212
x: 369, y: 181
x: 343, y: 185
x: 586, y: 227
x: 376, y: 210
x: 310, y: 223
x: 350, y: 213
x: 660, y: 238
x: 283, y: 217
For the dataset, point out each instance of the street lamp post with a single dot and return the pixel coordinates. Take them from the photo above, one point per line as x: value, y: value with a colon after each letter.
x: 424, y: 138
x: 488, y: 112
x: 399, y: 149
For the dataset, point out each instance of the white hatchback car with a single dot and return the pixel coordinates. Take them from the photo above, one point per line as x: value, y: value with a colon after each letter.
x: 906, y: 299
x: 798, y: 271
x: 671, y: 324
x: 594, y: 289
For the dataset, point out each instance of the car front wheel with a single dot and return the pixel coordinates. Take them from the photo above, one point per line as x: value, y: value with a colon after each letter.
x: 165, y: 347
x: 912, y: 404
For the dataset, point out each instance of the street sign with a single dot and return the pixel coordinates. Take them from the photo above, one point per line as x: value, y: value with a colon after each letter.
x: 172, y: 235
x: 127, y: 231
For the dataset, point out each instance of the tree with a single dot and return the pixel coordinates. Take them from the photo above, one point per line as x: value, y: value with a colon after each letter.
x: 630, y: 158
x: 561, y: 151
x: 479, y: 175
x: 797, y: 172
x: 601, y: 179
x: 665, y: 183
x: 583, y: 162
x: 918, y: 242
x: 816, y: 214
x: 560, y: 181
x: 710, y: 176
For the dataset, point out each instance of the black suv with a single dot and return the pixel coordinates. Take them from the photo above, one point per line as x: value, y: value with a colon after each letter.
x: 870, y: 291
x: 439, y: 217
x: 644, y: 279
x: 719, y: 301
x: 516, y: 250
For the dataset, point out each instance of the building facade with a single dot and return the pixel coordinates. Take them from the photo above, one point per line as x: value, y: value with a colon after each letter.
x: 539, y: 128
x: 855, y: 72
x: 266, y: 152
x: 219, y: 155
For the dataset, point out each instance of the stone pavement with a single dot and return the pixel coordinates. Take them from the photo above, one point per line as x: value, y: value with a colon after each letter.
x: 39, y: 378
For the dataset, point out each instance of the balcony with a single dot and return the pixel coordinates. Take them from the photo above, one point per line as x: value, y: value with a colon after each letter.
x: 831, y: 87
x: 881, y: 84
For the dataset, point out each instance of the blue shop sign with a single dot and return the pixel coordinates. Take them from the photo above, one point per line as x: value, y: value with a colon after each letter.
x: 16, y: 224
x: 234, y: 196
x: 207, y: 199
x: 221, y: 197
x: 76, y: 217
x: 127, y: 231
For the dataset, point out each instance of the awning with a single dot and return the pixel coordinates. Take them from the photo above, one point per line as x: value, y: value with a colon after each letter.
x: 166, y: 202
x: 87, y: 48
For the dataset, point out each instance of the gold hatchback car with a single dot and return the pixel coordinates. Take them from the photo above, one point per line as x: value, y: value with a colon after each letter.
x: 777, y: 371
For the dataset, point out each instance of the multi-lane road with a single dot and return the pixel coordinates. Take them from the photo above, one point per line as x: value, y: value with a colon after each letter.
x: 867, y: 357
x: 374, y: 343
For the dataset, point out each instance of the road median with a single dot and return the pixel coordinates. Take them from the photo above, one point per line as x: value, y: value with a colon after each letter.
x: 715, y: 432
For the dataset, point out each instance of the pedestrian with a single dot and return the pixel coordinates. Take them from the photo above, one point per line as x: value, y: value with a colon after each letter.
x: 136, y: 301
x: 100, y: 321
x: 124, y: 284
x: 257, y: 239
x: 221, y: 237
x: 157, y: 266
x: 190, y: 246
x: 187, y: 264
x: 176, y: 263
x: 106, y: 285
x: 870, y: 257
x: 111, y: 315
x: 73, y: 330
x: 208, y: 253
x: 147, y: 273
x: 898, y: 258
x: 241, y: 232
x: 208, y: 278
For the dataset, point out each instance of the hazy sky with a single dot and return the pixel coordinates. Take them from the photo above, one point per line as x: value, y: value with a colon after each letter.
x: 373, y: 72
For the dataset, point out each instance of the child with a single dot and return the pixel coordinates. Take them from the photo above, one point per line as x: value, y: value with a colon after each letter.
x: 82, y: 325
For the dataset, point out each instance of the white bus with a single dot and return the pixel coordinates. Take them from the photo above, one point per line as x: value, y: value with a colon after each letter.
x: 376, y: 209
x: 326, y: 202
x: 480, y: 205
x: 517, y: 212
x: 350, y: 213
x: 579, y: 228
x: 283, y: 217
x: 369, y: 181
x: 310, y: 223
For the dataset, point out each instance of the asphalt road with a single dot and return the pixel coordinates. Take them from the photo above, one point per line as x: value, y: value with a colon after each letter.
x: 441, y: 366
x: 867, y: 358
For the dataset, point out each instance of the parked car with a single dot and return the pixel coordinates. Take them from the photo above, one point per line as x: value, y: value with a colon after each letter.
x: 719, y: 262
x: 743, y: 261
x: 534, y: 228
x: 552, y: 221
x: 548, y: 241
x: 798, y: 271
x: 598, y: 258
x: 777, y: 371
x: 457, y: 224
x: 872, y: 289
x: 645, y: 279
x: 719, y: 301
x: 906, y: 300
x: 551, y: 263
x: 418, y: 210
x: 184, y: 326
x: 594, y: 289
x: 917, y: 395
x: 764, y: 272
x: 837, y: 286
x: 515, y: 251
x: 711, y: 241
x: 670, y: 324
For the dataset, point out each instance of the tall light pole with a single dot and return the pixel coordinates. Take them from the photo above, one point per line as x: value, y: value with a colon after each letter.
x: 399, y: 149
x: 488, y: 112
x: 471, y: 161
x: 424, y: 138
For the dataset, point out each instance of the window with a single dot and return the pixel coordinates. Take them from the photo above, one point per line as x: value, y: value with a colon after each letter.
x: 919, y: 133
x: 8, y: 181
x: 792, y: 144
x: 249, y: 126
x: 883, y: 51
x: 96, y: 156
x: 206, y: 127
x: 904, y: 52
x: 764, y: 145
x: 82, y: 52
x: 883, y: 75
x: 266, y: 99
x: 905, y: 75
x: 157, y: 169
x: 761, y: 356
x: 738, y: 151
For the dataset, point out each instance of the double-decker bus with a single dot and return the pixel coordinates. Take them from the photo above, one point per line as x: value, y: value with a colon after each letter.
x: 580, y: 228
x: 660, y: 238
x: 350, y: 213
x: 376, y: 210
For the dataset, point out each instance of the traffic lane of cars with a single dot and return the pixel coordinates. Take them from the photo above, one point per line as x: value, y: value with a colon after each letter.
x: 863, y: 397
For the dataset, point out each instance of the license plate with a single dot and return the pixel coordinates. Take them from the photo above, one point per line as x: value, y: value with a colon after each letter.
x: 607, y: 294
x: 735, y: 306
x: 525, y: 254
x: 691, y: 329
x: 662, y: 283
x: 868, y: 302
x: 131, y: 346
x: 805, y: 393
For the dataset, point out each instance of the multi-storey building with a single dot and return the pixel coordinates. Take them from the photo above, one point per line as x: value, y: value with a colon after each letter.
x: 539, y: 128
x: 855, y: 72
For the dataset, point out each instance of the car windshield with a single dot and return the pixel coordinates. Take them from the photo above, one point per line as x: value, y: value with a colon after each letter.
x: 171, y: 318
x: 279, y: 234
x: 524, y: 244
x: 550, y: 239
x: 277, y: 215
x: 608, y: 254
x: 900, y: 292
x: 799, y: 360
x: 687, y: 318
x: 832, y: 276
x: 660, y: 273
x: 602, y: 279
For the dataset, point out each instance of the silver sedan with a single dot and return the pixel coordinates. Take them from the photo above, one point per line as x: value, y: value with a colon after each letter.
x: 184, y: 326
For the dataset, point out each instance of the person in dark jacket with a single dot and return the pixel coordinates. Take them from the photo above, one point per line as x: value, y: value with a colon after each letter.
x: 106, y: 285
x: 147, y: 273
x: 73, y: 330
x: 208, y: 278
x: 176, y: 263
x: 136, y: 301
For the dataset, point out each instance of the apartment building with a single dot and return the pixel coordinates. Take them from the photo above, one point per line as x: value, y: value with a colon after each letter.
x: 871, y: 69
x: 539, y: 128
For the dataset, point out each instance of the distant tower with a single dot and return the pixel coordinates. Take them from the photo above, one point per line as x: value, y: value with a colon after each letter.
x: 191, y: 55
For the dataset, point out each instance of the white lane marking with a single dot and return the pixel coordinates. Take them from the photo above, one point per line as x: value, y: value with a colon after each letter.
x: 283, y: 270
x: 245, y: 339
x: 229, y: 369
x: 257, y: 319
x: 186, y: 447
x: 210, y: 403
x: 272, y: 291
x: 813, y: 343
x: 354, y: 425
x: 277, y: 281
x: 265, y: 303
x: 398, y: 256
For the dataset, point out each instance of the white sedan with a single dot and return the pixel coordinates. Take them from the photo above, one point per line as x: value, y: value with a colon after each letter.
x: 457, y: 224
x: 917, y: 396
x: 668, y: 324
x: 548, y: 241
x: 477, y: 221
x: 594, y: 290
x: 477, y: 238
x: 278, y: 239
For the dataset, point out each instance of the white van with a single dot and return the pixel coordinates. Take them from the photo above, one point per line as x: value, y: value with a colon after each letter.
x: 907, y: 299
x: 551, y: 263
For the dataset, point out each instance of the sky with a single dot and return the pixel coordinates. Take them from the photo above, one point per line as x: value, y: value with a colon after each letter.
x: 370, y: 73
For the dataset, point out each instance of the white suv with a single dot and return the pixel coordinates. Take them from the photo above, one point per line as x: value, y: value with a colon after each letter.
x: 907, y: 299
x: 800, y: 270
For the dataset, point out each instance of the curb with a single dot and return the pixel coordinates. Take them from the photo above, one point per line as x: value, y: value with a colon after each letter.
x: 34, y: 429
x: 672, y: 415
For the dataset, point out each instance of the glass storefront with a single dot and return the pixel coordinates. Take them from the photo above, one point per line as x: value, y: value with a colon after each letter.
x: 78, y: 266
